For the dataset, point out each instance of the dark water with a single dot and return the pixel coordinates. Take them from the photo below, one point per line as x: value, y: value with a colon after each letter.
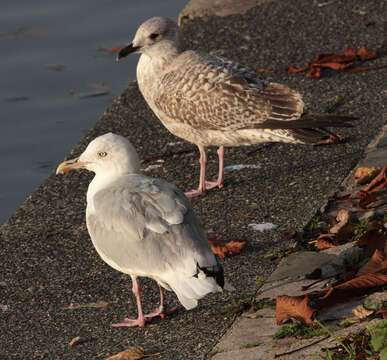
x: 48, y: 49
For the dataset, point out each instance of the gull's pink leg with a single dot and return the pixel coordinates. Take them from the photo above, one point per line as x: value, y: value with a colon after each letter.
x: 202, y: 178
x: 218, y: 183
x: 160, y: 310
x: 208, y: 185
x: 140, y: 321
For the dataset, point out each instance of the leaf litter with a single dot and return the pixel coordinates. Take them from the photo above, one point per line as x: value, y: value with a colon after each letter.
x: 131, y: 353
x: 367, y: 273
x: 223, y: 248
x: 339, y: 62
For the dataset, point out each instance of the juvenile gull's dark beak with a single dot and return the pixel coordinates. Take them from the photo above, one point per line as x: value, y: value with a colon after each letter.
x: 126, y: 51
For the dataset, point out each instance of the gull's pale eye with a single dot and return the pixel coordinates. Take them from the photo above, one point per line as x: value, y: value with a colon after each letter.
x: 102, y: 154
x: 153, y: 36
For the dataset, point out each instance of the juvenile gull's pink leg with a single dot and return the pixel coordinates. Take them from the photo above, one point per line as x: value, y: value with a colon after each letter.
x: 218, y: 183
x: 203, y: 184
x: 202, y: 178
x: 140, y: 321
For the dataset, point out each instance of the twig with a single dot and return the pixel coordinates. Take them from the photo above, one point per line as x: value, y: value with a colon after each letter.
x: 301, y: 348
x: 306, y: 287
x: 247, y: 216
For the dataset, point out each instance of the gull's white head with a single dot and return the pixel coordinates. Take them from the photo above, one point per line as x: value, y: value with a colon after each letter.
x: 155, y: 36
x: 107, y: 154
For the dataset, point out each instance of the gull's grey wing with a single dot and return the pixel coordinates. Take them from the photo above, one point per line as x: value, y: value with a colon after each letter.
x: 146, y: 226
x: 211, y: 93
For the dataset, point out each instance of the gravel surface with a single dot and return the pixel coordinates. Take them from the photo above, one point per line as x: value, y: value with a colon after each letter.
x: 48, y: 261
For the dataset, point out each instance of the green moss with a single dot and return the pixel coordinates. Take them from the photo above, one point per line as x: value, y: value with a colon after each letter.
x: 298, y: 330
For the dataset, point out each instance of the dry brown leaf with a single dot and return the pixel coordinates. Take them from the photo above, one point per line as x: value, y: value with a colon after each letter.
x: 379, y: 183
x: 132, y: 353
x: 361, y: 312
x: 322, y: 244
x: 225, y: 248
x: 364, y: 175
x: 343, y: 218
x: 293, y: 307
x: 334, y: 61
x: 293, y: 69
x: 334, y: 65
x: 355, y: 287
x: 377, y: 263
x: 365, y: 54
x: 374, y: 239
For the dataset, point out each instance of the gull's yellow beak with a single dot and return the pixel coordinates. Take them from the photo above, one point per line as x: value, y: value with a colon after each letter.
x: 69, y: 165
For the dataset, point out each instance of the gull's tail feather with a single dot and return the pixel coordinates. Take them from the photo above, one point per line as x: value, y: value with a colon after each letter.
x: 189, y: 289
x: 309, y: 121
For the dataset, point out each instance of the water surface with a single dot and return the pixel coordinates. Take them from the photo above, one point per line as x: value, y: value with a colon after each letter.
x: 49, y: 49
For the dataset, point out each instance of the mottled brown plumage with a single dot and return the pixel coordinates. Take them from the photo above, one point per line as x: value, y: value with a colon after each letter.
x: 211, y: 101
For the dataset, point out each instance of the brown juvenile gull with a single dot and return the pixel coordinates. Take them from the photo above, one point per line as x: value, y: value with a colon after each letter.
x: 211, y: 101
x: 145, y: 227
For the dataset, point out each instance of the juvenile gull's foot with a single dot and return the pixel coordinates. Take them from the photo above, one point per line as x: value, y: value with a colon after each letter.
x: 208, y: 185
x: 194, y: 193
x: 213, y: 184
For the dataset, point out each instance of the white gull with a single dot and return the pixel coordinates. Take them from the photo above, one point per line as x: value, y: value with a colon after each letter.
x: 211, y: 101
x: 145, y: 227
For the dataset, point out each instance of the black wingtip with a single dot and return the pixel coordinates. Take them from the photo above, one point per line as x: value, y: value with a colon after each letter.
x: 217, y: 273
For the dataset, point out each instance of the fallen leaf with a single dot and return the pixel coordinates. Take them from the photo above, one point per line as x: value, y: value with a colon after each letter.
x: 334, y: 65
x: 225, y: 248
x: 343, y: 62
x: 343, y: 218
x: 365, y: 54
x: 365, y: 199
x: 293, y: 69
x: 131, y: 353
x: 375, y: 238
x: 322, y: 244
x: 364, y: 175
x: 377, y: 263
x: 379, y: 183
x: 355, y: 287
x: 361, y: 312
x: 295, y: 307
